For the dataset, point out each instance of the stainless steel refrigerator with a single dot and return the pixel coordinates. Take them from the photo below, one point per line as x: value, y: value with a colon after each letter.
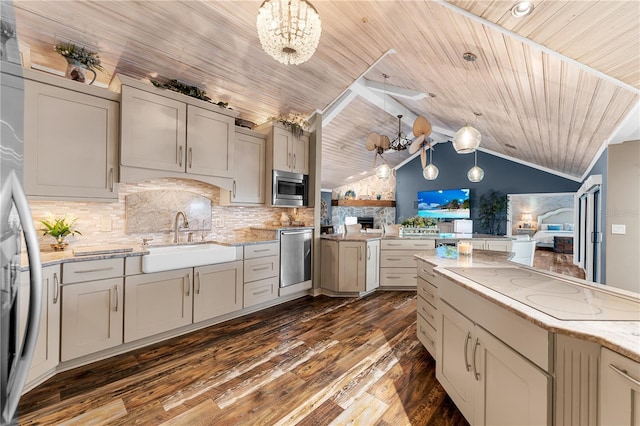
x: 16, y: 349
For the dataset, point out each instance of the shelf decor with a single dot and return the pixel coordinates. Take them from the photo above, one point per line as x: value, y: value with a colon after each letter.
x: 59, y: 228
x: 79, y: 61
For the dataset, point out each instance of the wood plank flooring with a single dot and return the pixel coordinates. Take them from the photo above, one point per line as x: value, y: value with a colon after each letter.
x: 312, y: 361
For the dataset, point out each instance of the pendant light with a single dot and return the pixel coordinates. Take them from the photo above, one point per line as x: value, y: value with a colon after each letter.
x: 475, y: 174
x: 431, y: 171
x: 467, y: 139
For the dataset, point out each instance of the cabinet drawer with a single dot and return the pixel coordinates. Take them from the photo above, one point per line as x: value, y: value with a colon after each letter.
x: 398, y: 277
x: 91, y: 270
x: 260, y: 291
x: 428, y: 311
x: 425, y: 271
x: 397, y: 259
x: 427, y: 291
x: 261, y: 250
x: 427, y: 335
x: 261, y: 268
x: 414, y: 245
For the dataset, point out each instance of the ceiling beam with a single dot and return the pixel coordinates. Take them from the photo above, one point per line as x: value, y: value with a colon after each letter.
x: 398, y: 92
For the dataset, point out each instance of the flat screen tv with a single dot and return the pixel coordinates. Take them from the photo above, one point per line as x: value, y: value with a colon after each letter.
x: 444, y: 204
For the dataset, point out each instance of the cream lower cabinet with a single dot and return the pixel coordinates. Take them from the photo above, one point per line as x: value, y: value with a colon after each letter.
x: 82, y: 126
x: 217, y: 290
x: 92, y: 315
x: 248, y: 184
x: 427, y: 307
x: 349, y: 266
x: 619, y: 393
x: 47, y: 351
x: 261, y: 273
x: 489, y: 382
x: 157, y: 302
x: 498, y: 245
x: 397, y: 262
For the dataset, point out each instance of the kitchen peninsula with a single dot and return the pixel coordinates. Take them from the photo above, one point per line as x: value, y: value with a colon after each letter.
x: 507, y: 340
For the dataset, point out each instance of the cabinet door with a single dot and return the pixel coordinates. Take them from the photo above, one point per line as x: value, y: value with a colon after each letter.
x: 282, y: 155
x: 329, y: 265
x: 217, y: 290
x: 157, y: 302
x: 46, y: 353
x: 71, y: 143
x: 619, y: 393
x: 351, y: 266
x: 210, y: 143
x: 509, y: 390
x: 153, y: 131
x: 498, y: 245
x: 454, y: 350
x: 91, y: 317
x: 476, y: 243
x: 248, y: 185
x: 373, y: 265
x: 300, y: 154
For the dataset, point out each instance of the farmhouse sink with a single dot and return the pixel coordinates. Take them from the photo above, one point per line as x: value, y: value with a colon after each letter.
x: 186, y: 256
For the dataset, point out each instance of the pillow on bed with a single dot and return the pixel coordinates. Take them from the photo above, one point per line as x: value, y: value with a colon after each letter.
x: 552, y: 227
x: 568, y: 226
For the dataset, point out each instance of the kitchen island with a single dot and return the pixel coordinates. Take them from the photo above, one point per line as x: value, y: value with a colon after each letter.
x: 517, y: 345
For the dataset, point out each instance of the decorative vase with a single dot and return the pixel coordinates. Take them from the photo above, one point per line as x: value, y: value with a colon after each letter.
x: 60, y: 244
x: 78, y: 72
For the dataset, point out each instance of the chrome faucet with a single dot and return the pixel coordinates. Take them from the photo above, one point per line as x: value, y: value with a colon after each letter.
x: 176, y: 229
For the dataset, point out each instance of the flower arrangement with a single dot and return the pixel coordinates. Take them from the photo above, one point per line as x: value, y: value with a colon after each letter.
x: 90, y: 60
x: 294, y: 122
x: 185, y: 89
x: 59, y: 228
x: 419, y: 222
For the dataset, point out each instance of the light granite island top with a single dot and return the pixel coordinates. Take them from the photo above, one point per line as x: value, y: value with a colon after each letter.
x: 574, y: 307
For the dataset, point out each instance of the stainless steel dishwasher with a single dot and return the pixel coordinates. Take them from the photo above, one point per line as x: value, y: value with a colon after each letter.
x: 295, y: 256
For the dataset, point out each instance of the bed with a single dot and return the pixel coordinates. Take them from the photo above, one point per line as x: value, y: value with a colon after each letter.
x: 556, y: 223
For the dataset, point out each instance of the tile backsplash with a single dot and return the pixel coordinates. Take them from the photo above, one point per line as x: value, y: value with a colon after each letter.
x: 107, y: 223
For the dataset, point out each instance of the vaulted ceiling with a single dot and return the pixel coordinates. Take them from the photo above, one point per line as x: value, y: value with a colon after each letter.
x: 553, y: 87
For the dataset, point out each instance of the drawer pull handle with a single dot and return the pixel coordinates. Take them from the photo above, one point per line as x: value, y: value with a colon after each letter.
x: 262, y: 268
x: 635, y: 382
x: 466, y: 349
x: 475, y: 369
x: 86, y: 271
x: 393, y: 277
x: 394, y: 259
x: 186, y: 282
x: 257, y: 293
x: 117, y: 300
x: 428, y: 314
x: 197, y: 291
x: 56, y: 286
x: 180, y: 156
x: 260, y: 250
x: 395, y: 245
x: 191, y: 159
x: 426, y: 337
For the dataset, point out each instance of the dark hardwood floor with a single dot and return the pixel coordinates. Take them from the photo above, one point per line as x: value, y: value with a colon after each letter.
x: 313, y: 361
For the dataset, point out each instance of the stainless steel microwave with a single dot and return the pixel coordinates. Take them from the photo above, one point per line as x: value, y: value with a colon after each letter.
x: 290, y: 189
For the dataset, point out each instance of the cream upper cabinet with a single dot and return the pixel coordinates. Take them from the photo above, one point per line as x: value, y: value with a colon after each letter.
x: 153, y: 131
x: 619, y: 393
x: 285, y: 151
x: 210, y: 143
x: 47, y: 351
x: 71, y: 142
x: 157, y: 302
x: 217, y: 290
x: 167, y: 134
x: 249, y: 181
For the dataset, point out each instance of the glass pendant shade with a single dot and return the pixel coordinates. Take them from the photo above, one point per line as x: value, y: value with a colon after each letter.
x: 430, y: 172
x: 383, y: 171
x: 475, y: 174
x: 289, y: 30
x: 466, y: 140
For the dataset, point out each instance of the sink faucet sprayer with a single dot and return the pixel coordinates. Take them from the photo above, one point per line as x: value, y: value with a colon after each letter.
x: 185, y: 224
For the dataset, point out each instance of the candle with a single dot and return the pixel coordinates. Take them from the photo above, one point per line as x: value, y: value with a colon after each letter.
x: 465, y: 249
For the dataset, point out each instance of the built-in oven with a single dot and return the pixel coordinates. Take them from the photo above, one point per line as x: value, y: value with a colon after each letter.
x: 290, y: 189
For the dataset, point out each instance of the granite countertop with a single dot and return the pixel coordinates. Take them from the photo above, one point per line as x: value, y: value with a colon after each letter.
x: 279, y: 228
x: 620, y: 336
x: 352, y: 237
x: 371, y: 236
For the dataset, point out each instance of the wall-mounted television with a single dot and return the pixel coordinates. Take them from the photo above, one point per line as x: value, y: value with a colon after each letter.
x: 444, y: 204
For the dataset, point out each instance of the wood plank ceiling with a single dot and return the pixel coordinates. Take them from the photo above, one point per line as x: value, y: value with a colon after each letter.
x: 556, y: 109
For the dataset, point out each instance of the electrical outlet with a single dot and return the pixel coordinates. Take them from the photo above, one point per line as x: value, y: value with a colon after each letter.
x: 219, y: 222
x: 618, y: 229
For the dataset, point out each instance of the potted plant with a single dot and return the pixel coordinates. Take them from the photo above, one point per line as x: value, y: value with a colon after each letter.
x: 79, y: 61
x: 59, y: 228
x: 419, y: 225
x: 492, y: 211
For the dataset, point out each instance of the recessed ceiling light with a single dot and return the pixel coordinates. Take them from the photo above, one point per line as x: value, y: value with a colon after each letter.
x: 521, y: 9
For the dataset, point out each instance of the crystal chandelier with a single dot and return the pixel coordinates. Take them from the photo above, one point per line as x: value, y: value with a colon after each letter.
x: 400, y: 142
x: 475, y: 174
x: 289, y: 30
